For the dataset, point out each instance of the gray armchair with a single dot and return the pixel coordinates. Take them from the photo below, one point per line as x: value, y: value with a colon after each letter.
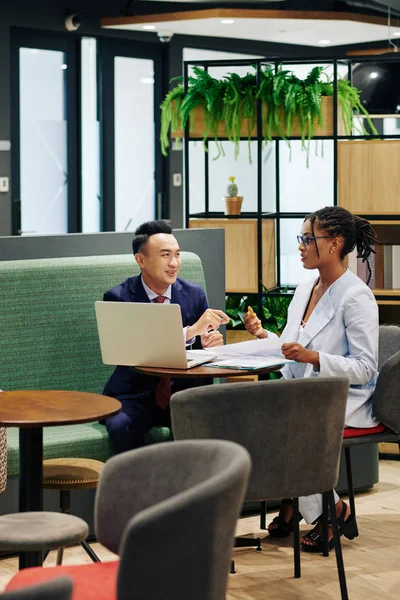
x: 389, y: 343
x: 292, y: 429
x: 385, y: 405
x: 169, y: 510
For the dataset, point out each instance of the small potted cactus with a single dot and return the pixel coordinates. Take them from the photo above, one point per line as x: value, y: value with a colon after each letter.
x: 233, y: 202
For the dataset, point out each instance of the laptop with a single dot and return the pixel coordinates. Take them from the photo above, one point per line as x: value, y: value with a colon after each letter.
x: 139, y: 334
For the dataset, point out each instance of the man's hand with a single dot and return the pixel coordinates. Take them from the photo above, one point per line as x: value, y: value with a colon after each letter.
x: 297, y: 352
x: 210, y: 319
x: 212, y: 339
x: 253, y: 324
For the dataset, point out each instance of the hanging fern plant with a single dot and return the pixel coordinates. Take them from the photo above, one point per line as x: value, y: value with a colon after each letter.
x: 171, y: 115
x: 239, y: 105
x: 286, y: 101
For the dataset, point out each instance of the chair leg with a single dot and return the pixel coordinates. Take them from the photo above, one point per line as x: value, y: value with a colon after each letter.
x: 89, y: 551
x: 325, y: 523
x: 60, y: 554
x: 65, y: 506
x: 263, y: 511
x: 338, y: 548
x: 232, y: 570
x: 242, y: 542
x: 296, y: 538
x: 350, y: 485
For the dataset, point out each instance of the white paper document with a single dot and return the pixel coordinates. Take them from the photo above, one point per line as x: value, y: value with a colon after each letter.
x: 255, y: 354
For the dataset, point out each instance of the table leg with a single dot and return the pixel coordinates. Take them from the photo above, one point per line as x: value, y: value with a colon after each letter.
x: 30, y: 483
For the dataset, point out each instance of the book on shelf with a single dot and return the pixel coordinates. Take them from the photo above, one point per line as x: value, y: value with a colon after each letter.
x: 396, y: 267
x: 378, y: 259
x: 384, y: 266
x: 387, y: 267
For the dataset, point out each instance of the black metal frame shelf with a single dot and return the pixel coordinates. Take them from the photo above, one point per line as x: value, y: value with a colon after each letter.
x: 260, y: 214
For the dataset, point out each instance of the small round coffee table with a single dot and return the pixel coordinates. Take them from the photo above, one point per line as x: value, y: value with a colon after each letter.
x: 204, y: 372
x: 31, y: 410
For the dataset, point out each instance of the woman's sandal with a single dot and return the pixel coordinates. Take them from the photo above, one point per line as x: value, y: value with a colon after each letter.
x: 347, y: 527
x: 284, y: 528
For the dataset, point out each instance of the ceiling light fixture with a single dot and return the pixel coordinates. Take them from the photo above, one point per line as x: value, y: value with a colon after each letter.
x: 324, y: 42
x: 148, y: 27
x: 227, y: 21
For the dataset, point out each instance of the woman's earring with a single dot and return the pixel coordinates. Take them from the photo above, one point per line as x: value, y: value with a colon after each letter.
x: 331, y: 251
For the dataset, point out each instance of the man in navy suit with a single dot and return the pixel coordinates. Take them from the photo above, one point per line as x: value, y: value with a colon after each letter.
x: 144, y: 398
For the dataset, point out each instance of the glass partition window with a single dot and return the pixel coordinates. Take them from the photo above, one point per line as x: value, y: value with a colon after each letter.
x: 197, y: 193
x: 43, y: 141
x: 302, y: 188
x: 134, y: 142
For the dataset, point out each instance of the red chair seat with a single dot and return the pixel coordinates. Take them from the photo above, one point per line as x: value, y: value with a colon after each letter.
x: 96, y: 581
x: 358, y: 431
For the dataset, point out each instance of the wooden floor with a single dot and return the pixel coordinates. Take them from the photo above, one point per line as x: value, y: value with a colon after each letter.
x: 371, y: 561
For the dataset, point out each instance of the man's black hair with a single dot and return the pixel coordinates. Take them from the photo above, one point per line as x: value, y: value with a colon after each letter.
x: 146, y: 230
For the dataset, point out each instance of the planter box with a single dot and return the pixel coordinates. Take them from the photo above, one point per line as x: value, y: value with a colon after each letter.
x: 198, y: 124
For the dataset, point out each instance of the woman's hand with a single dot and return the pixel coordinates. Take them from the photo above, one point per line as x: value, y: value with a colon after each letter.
x: 297, y: 352
x: 253, y: 324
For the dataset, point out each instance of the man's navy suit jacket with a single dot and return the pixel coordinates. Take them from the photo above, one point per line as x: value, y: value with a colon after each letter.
x: 124, y: 383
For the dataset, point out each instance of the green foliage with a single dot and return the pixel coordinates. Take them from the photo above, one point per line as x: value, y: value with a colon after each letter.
x: 284, y: 97
x: 349, y: 100
x: 274, y: 309
x: 171, y: 115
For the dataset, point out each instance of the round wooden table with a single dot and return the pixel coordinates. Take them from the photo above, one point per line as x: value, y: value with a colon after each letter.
x: 205, y: 372
x: 30, y: 411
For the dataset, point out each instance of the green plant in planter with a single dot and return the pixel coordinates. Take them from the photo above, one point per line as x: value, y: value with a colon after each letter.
x: 239, y: 103
x: 274, y: 310
x: 284, y: 97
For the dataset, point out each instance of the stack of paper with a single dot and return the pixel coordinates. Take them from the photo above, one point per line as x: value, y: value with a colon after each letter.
x: 255, y: 354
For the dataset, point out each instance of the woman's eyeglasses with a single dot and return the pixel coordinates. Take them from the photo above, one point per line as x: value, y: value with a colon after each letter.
x: 307, y: 239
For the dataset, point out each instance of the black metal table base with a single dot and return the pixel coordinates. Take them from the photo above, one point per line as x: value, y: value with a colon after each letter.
x: 30, y: 483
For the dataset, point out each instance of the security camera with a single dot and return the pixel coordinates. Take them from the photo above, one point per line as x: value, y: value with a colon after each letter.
x: 165, y: 36
x: 73, y: 22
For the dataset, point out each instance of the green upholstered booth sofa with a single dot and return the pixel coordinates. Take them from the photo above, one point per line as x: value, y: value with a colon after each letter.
x: 49, y: 340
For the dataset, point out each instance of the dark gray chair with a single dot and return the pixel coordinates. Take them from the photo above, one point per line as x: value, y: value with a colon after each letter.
x: 169, y: 510
x: 178, y: 500
x: 292, y: 429
x: 386, y: 407
x: 56, y: 589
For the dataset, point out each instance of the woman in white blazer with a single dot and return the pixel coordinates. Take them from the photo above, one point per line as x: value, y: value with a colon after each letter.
x: 332, y: 330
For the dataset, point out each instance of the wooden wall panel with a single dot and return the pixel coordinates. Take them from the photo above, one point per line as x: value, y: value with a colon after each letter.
x: 268, y: 253
x: 241, y: 251
x: 369, y: 176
